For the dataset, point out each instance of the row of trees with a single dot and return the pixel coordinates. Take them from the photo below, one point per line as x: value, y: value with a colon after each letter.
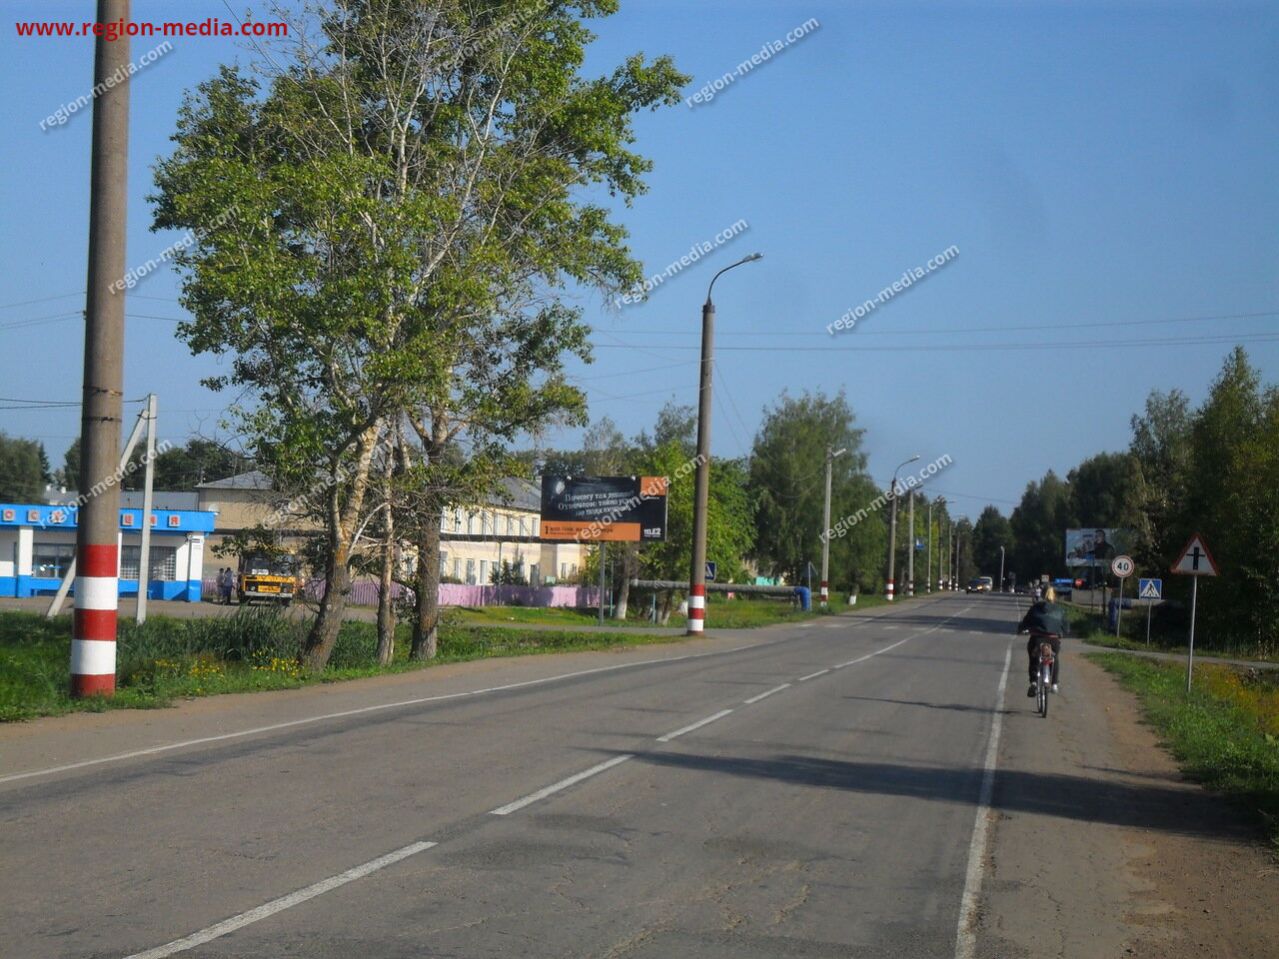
x: 1213, y: 469
x: 388, y: 225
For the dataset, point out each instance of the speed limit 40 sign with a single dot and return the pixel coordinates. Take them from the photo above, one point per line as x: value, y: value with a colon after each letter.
x: 1122, y: 566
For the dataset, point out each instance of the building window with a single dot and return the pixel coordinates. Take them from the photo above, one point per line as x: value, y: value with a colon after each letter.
x: 50, y: 560
x: 484, y: 571
x: 444, y: 563
x: 457, y: 569
x: 457, y: 521
x: 470, y: 524
x: 163, y: 563
x: 563, y: 570
x: 470, y: 572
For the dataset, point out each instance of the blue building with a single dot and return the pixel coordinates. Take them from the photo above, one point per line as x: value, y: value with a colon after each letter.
x: 37, y: 544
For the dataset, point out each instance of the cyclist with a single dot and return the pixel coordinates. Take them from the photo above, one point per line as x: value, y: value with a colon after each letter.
x: 1045, y: 620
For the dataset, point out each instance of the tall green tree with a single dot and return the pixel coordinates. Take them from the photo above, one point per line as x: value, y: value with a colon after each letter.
x: 991, y: 531
x: 21, y: 470
x: 787, y: 483
x: 1039, y: 523
x: 385, y: 229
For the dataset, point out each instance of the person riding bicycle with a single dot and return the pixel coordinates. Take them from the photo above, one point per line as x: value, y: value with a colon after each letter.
x: 1045, y: 621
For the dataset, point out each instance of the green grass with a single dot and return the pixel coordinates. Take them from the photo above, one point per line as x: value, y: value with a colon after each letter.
x: 168, y: 659
x: 740, y: 613
x: 1132, y: 635
x: 1224, y: 733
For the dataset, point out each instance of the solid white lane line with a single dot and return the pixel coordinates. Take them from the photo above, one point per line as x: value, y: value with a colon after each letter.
x: 697, y: 725
x: 279, y: 905
x: 966, y: 934
x: 562, y: 784
x: 275, y: 727
x: 820, y: 672
x: 765, y: 695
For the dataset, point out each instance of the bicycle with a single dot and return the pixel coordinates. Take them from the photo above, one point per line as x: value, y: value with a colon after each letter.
x: 1043, y: 688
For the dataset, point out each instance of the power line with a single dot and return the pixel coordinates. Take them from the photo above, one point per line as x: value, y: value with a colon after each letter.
x: 979, y: 347
x: 903, y: 331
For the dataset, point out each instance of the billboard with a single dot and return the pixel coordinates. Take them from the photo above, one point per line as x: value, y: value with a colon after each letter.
x: 1096, y: 546
x: 615, y: 509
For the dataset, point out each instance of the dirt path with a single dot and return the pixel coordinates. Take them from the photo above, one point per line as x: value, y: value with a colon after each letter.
x: 1100, y: 848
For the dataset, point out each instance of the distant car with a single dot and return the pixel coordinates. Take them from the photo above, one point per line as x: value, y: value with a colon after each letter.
x: 980, y: 584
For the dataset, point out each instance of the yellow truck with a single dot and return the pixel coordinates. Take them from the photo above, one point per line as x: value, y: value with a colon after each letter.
x: 272, y: 577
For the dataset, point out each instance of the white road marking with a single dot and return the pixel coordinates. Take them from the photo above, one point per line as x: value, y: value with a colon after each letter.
x: 562, y: 784
x: 820, y: 672
x: 279, y: 905
x: 765, y: 695
x: 878, y: 652
x: 890, y: 627
x: 697, y: 725
x: 275, y: 727
x: 966, y: 935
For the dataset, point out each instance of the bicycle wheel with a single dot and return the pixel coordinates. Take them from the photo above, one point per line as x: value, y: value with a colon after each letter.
x: 1045, y: 685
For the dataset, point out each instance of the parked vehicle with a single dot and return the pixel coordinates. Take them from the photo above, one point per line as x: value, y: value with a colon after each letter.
x: 272, y: 577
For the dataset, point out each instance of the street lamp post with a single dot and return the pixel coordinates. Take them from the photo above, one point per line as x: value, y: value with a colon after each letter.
x: 697, y: 569
x: 830, y: 458
x: 1001, y: 569
x: 892, y: 528
x: 910, y: 543
x: 928, y: 573
x: 950, y: 555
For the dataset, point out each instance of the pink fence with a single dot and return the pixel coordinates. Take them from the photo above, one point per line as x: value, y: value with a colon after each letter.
x: 364, y: 592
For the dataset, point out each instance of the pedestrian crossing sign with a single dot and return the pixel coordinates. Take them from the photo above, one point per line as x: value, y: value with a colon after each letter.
x: 1150, y: 588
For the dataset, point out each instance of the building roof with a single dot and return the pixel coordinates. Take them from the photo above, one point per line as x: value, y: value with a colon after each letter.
x: 252, y: 480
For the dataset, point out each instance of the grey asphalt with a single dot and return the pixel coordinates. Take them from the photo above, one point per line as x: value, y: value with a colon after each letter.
x: 833, y: 817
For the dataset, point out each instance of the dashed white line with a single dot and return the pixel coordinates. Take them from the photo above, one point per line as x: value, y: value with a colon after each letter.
x: 878, y: 652
x: 966, y: 935
x: 562, y: 784
x: 820, y: 672
x: 697, y: 725
x: 279, y: 905
x: 764, y: 695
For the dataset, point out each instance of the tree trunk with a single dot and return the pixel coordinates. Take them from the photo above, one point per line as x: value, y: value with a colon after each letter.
x: 664, y: 614
x: 385, y: 604
x: 624, y: 588
x: 426, y: 609
x: 328, y: 623
x: 341, y: 523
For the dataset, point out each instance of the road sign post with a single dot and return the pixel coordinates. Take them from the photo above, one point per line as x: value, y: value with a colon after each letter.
x: 1122, y: 567
x: 1196, y: 561
x: 1149, y: 589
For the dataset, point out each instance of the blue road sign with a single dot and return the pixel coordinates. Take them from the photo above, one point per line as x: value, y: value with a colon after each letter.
x: 711, y: 569
x: 919, y: 546
x: 1150, y: 589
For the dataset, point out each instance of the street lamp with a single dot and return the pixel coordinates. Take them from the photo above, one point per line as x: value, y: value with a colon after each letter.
x: 892, y: 527
x: 1001, y: 569
x: 701, y: 496
x: 830, y: 458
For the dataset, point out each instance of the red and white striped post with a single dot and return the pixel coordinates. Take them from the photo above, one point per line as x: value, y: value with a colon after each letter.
x: 825, y: 593
x: 93, y: 633
x: 697, y: 608
x: 98, y: 520
x: 889, y: 590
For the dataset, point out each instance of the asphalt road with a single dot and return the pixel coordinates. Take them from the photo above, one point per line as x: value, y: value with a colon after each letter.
x: 818, y: 790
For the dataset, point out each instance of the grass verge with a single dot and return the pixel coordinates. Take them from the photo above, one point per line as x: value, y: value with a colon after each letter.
x: 168, y: 659
x: 1224, y: 733
x: 739, y: 613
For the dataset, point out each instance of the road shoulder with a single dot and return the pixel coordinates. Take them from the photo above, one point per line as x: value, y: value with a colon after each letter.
x: 1099, y: 847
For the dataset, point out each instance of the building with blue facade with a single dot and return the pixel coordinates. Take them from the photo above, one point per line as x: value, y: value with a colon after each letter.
x: 37, y: 544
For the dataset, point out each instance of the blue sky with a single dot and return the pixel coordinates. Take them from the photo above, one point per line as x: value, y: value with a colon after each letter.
x: 1103, y: 169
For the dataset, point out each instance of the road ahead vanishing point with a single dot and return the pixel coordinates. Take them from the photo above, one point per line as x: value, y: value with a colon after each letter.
x: 827, y: 789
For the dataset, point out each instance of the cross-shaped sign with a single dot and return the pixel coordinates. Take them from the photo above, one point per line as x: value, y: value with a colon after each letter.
x: 1195, y: 560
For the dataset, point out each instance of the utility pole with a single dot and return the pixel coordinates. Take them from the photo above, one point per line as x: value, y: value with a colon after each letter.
x: 950, y: 563
x: 910, y: 543
x: 830, y: 459
x: 97, y: 595
x: 892, y: 531
x: 701, y: 496
x: 148, y: 501
x: 928, y: 573
x: 1001, y: 569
